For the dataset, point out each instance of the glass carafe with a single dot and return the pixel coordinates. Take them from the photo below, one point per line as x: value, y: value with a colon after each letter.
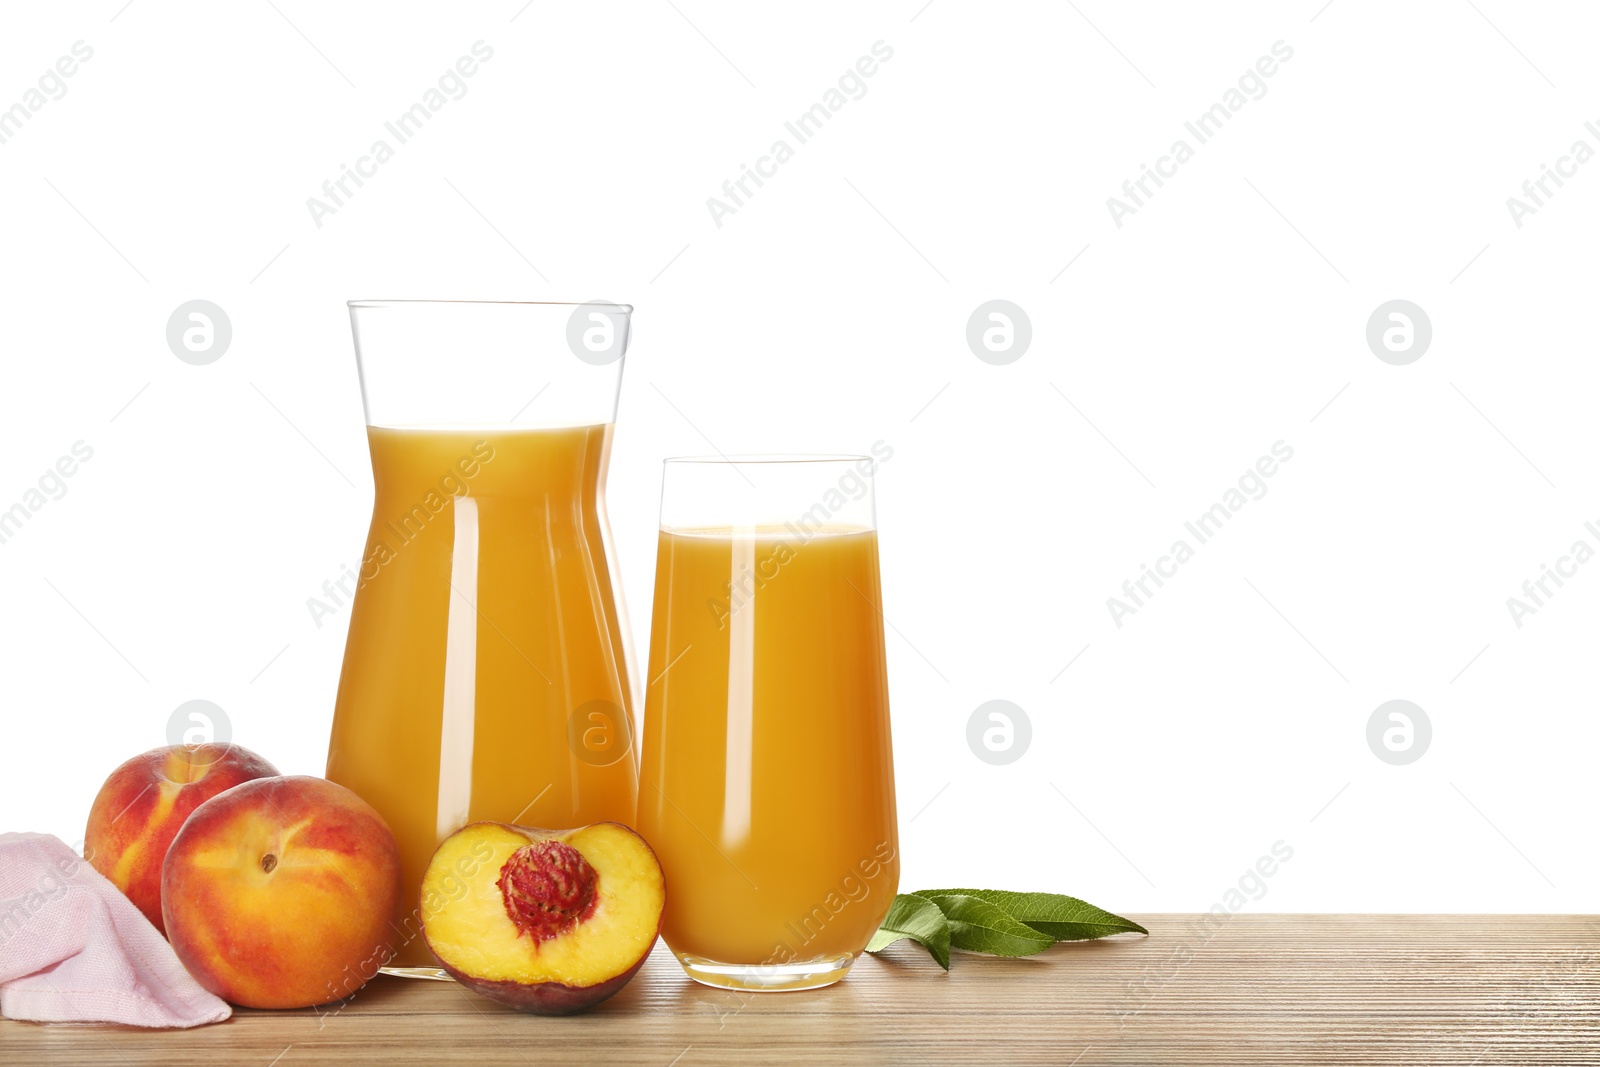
x: 487, y: 668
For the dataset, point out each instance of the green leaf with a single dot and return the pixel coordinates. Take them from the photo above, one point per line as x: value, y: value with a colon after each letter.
x: 1060, y: 917
x: 976, y: 925
x: 920, y: 920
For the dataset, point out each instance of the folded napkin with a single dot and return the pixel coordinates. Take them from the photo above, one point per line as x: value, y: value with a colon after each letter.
x: 74, y: 949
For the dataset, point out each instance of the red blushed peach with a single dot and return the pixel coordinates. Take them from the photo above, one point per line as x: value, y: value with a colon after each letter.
x: 546, y: 921
x: 280, y: 893
x: 143, y: 804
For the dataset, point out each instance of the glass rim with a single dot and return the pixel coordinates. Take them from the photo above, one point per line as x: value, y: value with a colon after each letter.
x: 626, y: 309
x: 771, y: 458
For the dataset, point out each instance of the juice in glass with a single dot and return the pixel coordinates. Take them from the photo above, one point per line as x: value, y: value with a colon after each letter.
x: 766, y: 782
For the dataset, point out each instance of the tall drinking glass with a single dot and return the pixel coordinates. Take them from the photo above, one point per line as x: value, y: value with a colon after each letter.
x: 486, y: 671
x: 767, y: 779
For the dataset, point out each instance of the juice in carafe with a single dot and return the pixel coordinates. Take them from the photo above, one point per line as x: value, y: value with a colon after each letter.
x: 485, y: 673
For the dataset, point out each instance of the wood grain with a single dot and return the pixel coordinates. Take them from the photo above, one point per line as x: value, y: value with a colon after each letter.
x: 1257, y: 989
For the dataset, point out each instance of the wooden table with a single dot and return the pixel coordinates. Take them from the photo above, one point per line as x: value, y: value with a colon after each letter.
x: 1270, y: 989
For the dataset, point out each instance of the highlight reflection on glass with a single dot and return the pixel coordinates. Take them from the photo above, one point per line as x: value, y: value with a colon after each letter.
x: 767, y: 781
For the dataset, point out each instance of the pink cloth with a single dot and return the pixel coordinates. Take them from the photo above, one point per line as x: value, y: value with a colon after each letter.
x: 74, y: 949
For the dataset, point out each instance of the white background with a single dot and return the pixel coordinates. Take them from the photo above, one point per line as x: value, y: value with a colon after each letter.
x: 830, y: 312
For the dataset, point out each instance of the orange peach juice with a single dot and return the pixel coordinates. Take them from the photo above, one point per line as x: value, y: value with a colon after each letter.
x: 484, y: 675
x: 766, y: 784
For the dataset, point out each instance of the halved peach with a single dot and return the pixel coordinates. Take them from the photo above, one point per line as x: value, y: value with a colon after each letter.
x: 546, y: 921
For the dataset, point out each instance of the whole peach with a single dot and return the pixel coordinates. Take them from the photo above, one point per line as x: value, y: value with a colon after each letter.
x: 143, y: 804
x: 281, y: 893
